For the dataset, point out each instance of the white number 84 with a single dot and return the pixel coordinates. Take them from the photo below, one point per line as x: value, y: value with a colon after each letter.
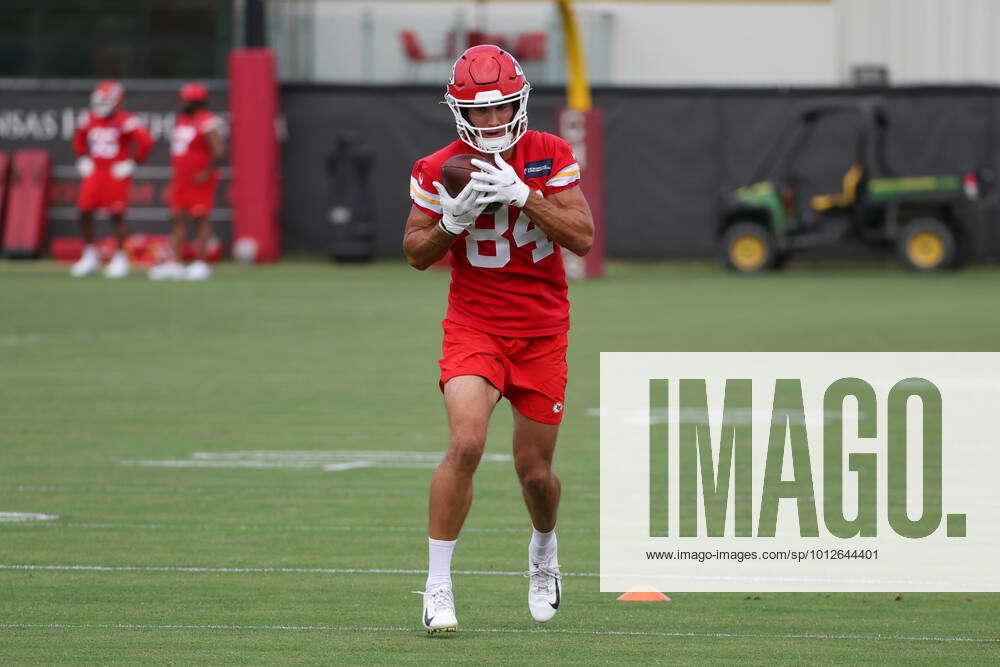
x: 522, y: 237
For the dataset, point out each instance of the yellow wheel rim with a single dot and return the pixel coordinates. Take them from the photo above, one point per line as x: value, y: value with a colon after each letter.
x: 925, y: 249
x: 747, y: 252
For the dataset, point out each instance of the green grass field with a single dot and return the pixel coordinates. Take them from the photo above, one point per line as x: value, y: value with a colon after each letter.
x: 119, y: 402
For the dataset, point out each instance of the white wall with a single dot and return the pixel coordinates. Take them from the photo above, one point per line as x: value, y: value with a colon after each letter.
x: 658, y: 44
x: 723, y: 44
x: 922, y: 41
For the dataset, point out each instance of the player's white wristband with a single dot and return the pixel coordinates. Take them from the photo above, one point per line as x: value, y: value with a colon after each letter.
x: 451, y: 227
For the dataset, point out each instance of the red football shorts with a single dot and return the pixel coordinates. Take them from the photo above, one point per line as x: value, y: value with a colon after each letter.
x: 196, y: 200
x: 529, y: 372
x: 101, y: 191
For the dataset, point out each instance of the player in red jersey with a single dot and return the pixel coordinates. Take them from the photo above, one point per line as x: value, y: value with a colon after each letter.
x: 109, y: 144
x: 508, y: 313
x: 196, y: 150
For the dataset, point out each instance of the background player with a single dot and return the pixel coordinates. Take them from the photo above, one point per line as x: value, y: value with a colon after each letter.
x: 196, y: 150
x: 508, y: 313
x: 109, y: 144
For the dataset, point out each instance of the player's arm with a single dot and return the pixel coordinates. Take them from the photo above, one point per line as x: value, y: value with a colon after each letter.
x: 424, y: 240
x: 80, y: 147
x: 142, y: 140
x: 84, y: 165
x: 217, y: 149
x: 216, y: 146
x: 565, y: 217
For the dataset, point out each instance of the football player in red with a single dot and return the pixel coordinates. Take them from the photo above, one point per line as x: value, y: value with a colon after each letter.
x: 508, y: 313
x: 109, y: 144
x: 196, y: 150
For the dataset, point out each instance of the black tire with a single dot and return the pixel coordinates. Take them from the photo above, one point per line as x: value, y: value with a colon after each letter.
x: 927, y: 244
x: 748, y: 247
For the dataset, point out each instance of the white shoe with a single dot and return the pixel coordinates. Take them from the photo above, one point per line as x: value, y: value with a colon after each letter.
x: 118, y: 266
x: 439, y: 609
x: 544, y: 585
x: 198, y: 271
x: 167, y: 271
x: 87, y: 264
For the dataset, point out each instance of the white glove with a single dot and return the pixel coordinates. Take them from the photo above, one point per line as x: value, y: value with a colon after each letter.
x: 122, y: 169
x: 460, y: 212
x: 85, y: 166
x: 499, y: 183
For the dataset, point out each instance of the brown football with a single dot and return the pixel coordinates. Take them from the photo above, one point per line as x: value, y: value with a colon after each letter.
x: 456, y: 173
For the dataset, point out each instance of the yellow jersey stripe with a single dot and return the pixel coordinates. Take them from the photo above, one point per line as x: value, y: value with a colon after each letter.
x: 417, y: 193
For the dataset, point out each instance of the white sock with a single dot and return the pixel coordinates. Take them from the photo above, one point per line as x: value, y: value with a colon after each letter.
x: 439, y: 561
x: 542, y: 542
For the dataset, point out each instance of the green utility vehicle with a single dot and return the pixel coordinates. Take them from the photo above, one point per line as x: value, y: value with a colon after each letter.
x: 923, y: 216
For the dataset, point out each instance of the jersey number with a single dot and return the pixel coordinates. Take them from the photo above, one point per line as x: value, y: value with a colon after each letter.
x: 181, y: 138
x: 524, y: 233
x: 103, y: 142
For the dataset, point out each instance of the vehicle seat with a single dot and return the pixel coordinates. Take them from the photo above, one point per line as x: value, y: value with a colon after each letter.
x: 852, y: 179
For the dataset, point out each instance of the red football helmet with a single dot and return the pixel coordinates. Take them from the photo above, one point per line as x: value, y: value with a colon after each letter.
x: 485, y: 76
x: 106, y: 98
x: 193, y: 92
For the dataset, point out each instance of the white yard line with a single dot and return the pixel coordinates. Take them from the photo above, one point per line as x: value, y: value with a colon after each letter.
x: 554, y: 631
x: 26, y: 517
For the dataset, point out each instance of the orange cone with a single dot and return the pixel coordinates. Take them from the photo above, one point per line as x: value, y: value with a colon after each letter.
x: 643, y: 594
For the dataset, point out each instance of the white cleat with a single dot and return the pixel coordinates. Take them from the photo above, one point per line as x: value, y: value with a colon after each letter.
x: 439, y: 609
x: 118, y: 266
x: 167, y: 271
x: 88, y: 263
x: 198, y: 271
x: 544, y: 585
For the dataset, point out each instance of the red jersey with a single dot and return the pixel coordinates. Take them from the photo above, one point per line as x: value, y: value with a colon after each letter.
x: 189, y: 150
x: 507, y: 275
x: 111, y: 139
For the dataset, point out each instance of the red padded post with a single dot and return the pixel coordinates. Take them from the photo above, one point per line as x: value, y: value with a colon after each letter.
x: 584, y: 130
x: 253, y: 103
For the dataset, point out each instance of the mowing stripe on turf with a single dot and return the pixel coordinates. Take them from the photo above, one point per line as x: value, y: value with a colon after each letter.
x: 263, y: 570
x: 353, y: 570
x: 553, y: 631
x: 266, y: 528
x: 184, y: 490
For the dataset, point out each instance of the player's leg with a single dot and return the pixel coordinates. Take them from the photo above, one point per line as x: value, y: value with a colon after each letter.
x: 537, y: 391
x: 199, y: 269
x: 469, y: 401
x: 86, y: 202
x: 534, y: 446
x: 118, y: 266
x: 173, y: 269
x: 87, y: 227
x: 89, y: 260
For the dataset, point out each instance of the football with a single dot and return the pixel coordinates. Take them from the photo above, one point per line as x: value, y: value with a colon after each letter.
x: 456, y: 173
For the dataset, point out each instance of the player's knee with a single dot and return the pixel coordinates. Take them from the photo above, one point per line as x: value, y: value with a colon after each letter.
x: 465, y: 450
x: 534, y: 476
